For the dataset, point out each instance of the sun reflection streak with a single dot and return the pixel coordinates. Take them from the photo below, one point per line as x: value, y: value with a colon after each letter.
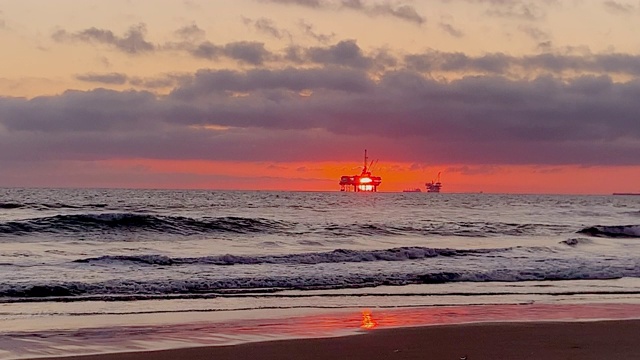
x: 368, y: 322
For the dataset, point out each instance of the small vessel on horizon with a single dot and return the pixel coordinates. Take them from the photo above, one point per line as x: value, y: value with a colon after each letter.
x: 365, y: 182
x: 435, y: 185
x: 412, y: 190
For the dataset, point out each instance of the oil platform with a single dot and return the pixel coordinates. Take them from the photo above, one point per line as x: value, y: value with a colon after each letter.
x: 363, y: 182
x: 434, y: 186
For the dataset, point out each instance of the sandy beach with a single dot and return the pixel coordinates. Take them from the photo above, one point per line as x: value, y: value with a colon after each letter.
x: 543, y: 340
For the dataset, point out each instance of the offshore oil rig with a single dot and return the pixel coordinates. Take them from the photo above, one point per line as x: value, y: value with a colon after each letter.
x: 434, y: 186
x: 363, y: 182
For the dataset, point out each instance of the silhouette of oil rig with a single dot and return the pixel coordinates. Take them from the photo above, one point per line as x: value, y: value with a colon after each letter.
x: 363, y: 182
x: 434, y: 186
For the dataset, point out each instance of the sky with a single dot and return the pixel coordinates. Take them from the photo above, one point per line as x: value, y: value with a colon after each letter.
x: 506, y: 96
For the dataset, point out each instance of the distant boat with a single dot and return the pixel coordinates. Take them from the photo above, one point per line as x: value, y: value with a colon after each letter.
x: 434, y: 186
x: 412, y: 190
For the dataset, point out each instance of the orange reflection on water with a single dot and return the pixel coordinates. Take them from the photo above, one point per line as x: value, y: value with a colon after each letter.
x: 367, y: 320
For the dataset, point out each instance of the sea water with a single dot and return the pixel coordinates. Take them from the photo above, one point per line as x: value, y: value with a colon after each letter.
x: 132, y: 269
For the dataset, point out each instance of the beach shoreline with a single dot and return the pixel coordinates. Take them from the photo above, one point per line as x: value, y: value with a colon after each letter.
x: 584, y: 340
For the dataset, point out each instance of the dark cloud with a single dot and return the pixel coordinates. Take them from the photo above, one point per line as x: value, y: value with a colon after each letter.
x: 498, y: 63
x: 345, y: 53
x: 206, y: 50
x: 110, y: 78
x: 249, y: 52
x: 78, y: 111
x: 207, y: 82
x: 439, y: 61
x: 132, y: 42
x: 190, y: 33
x: 324, y: 112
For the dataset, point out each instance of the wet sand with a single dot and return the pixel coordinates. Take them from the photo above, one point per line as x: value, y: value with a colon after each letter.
x: 592, y: 340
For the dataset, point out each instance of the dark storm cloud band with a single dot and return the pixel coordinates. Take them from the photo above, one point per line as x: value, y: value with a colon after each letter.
x: 589, y: 120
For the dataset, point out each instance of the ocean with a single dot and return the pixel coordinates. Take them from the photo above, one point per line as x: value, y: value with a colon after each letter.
x: 91, y: 270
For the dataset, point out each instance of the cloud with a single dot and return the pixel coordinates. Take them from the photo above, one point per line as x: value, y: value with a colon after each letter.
x: 207, y: 82
x: 307, y: 3
x: 132, y: 42
x: 110, y: 78
x: 588, y: 120
x: 309, y: 30
x: 451, y: 30
x: 190, y: 33
x: 267, y: 26
x: 498, y: 63
x: 345, y: 53
x: 534, y: 33
x: 78, y: 111
x: 249, y: 52
x: 619, y: 8
x: 518, y: 9
x: 400, y: 11
x: 396, y: 10
x: 158, y: 82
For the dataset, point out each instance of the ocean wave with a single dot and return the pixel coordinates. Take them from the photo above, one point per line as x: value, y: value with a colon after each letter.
x: 127, y: 222
x: 620, y: 231
x: 576, y: 241
x: 335, y: 256
x: 126, y: 290
x: 109, y: 222
x: 465, y: 229
x: 50, y: 206
x: 10, y: 206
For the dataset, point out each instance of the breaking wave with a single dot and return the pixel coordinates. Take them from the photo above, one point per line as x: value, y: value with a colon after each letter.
x: 576, y: 241
x: 628, y: 231
x: 335, y: 256
x: 467, y: 229
x: 109, y: 222
x: 10, y: 206
x: 127, y: 222
x: 125, y: 290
